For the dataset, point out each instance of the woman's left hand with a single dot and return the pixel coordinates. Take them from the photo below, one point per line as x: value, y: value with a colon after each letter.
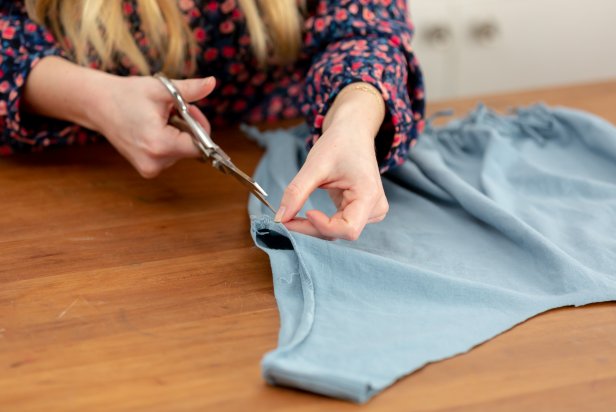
x: 342, y: 161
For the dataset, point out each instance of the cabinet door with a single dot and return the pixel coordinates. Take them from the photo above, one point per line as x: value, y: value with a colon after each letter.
x: 503, y: 45
x: 437, y: 45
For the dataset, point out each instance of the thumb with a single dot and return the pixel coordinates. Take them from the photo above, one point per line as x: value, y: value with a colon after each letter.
x: 195, y: 89
x: 307, y: 180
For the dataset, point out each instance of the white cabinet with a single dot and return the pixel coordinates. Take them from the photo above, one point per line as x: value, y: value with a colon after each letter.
x: 473, y: 47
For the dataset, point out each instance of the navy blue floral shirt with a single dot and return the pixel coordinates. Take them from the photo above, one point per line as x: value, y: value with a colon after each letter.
x: 345, y: 41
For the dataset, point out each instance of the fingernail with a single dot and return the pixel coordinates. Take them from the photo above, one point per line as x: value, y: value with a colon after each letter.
x: 280, y: 214
x: 208, y: 79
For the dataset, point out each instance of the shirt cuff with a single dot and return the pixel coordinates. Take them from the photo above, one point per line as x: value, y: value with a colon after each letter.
x: 388, y: 70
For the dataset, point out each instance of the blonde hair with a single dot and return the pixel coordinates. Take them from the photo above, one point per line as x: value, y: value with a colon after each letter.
x: 97, y: 28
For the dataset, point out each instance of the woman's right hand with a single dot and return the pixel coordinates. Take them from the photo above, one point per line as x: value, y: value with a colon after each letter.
x: 135, y: 120
x: 131, y: 112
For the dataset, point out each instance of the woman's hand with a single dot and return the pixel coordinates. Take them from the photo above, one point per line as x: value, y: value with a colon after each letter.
x: 135, y: 121
x: 343, y: 161
x: 131, y: 112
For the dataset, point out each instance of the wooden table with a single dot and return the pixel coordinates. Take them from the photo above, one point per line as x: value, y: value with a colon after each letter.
x: 118, y: 293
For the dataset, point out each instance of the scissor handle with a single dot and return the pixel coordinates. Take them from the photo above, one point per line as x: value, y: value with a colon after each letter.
x: 201, y: 138
x: 180, y: 104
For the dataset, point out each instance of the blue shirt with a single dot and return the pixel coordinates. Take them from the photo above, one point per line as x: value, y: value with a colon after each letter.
x: 493, y: 219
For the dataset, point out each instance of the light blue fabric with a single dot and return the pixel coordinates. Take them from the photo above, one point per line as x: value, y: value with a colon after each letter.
x: 493, y: 219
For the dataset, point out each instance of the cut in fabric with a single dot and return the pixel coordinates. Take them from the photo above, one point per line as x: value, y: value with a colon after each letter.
x: 493, y: 219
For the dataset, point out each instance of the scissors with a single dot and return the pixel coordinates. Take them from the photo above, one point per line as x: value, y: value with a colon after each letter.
x: 210, y: 150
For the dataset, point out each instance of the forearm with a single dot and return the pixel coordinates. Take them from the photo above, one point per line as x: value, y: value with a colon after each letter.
x: 62, y: 90
x: 359, y: 105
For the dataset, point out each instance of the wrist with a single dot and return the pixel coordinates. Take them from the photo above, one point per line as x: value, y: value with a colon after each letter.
x: 359, y: 106
x: 344, y: 121
x: 94, y: 105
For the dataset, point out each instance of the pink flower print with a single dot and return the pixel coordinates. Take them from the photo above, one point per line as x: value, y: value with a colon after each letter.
x: 244, y: 40
x: 356, y: 66
x: 228, y: 51
x: 397, y: 140
x: 358, y: 24
x: 258, y: 78
x: 275, y: 105
x: 235, y: 68
x: 239, y: 105
x: 421, y: 125
x: 346, y: 45
x: 268, y: 88
x: 227, y: 6
x: 8, y: 33
x: 210, y: 54
x: 200, y: 34
x: 226, y: 27
x: 368, y: 15
x: 127, y: 8
x: 336, y: 69
x: 290, y: 112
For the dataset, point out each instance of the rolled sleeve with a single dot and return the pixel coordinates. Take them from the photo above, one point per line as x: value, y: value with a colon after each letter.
x: 23, y: 44
x: 361, y: 41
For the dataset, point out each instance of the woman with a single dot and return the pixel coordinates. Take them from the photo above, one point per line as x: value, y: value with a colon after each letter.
x: 74, y: 69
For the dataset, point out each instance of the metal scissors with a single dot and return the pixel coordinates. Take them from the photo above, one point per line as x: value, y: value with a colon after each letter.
x: 210, y: 150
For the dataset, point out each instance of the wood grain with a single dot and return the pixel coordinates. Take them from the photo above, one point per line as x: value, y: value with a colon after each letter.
x: 118, y: 293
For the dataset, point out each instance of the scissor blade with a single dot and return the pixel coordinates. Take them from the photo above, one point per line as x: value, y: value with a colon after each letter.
x: 263, y: 200
x: 247, y: 181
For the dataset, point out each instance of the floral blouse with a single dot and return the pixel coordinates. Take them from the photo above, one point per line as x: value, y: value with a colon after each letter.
x: 344, y: 41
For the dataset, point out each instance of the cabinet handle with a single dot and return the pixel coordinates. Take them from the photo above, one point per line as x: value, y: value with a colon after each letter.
x: 485, y: 32
x: 438, y: 36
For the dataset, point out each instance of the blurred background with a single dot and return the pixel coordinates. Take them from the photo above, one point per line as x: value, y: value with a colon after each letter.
x: 477, y: 47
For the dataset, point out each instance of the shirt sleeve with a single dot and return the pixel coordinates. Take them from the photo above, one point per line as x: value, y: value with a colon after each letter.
x: 365, y: 41
x: 23, y: 43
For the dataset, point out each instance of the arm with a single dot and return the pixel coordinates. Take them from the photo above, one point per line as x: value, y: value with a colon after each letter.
x: 47, y: 100
x: 354, y: 41
x: 131, y: 112
x: 59, y: 89
x: 359, y: 48
x: 23, y: 44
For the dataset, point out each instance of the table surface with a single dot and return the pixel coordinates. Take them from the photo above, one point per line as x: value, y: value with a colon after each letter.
x: 121, y: 293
